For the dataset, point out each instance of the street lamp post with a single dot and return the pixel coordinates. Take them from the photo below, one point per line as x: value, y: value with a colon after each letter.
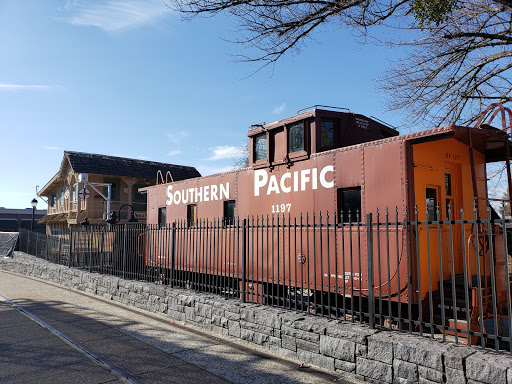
x: 34, y: 205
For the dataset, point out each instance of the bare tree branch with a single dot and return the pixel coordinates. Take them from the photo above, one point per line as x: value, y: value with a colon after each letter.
x: 460, y: 60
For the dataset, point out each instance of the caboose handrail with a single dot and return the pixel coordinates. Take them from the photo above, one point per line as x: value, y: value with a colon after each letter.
x: 505, y: 128
x: 383, y: 122
x: 159, y: 173
x: 501, y: 109
x: 324, y: 106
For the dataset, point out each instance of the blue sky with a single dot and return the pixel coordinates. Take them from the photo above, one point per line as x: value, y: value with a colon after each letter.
x: 130, y: 78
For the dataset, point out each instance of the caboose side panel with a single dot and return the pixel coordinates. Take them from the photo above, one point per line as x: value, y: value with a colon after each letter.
x: 385, y: 191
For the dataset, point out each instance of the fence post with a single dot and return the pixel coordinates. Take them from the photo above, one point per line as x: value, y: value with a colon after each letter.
x: 244, y: 256
x: 70, y: 246
x: 90, y: 248
x: 124, y: 251
x: 59, y: 255
x: 369, y: 248
x: 173, y: 254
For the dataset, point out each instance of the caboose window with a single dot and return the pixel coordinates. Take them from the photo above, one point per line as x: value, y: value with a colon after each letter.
x: 431, y: 200
x: 296, y: 137
x: 162, y: 213
x: 260, y: 147
x: 192, y: 215
x: 448, y: 184
x: 326, y: 135
x: 349, y: 204
x: 229, y: 212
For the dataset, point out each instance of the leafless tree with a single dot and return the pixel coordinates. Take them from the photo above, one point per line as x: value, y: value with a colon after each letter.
x: 277, y: 27
x: 458, y: 61
x: 456, y: 69
x: 242, y: 161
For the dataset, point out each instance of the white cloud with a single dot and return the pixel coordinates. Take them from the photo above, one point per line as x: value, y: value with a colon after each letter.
x: 20, y: 87
x: 174, y: 152
x: 29, y: 88
x: 52, y: 148
x: 206, y: 170
x: 222, y: 152
x: 279, y: 109
x: 176, y: 137
x: 115, y: 15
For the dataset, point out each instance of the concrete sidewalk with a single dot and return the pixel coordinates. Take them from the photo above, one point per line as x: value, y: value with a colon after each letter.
x: 31, y: 354
x: 147, y: 348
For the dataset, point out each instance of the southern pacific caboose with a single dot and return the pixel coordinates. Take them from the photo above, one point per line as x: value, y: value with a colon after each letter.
x: 326, y: 169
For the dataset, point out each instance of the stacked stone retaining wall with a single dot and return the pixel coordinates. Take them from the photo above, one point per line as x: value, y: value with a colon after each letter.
x: 353, y: 350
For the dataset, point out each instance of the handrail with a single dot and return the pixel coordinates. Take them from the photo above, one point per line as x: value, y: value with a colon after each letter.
x: 168, y: 173
x: 325, y: 106
x: 501, y: 109
x: 159, y: 172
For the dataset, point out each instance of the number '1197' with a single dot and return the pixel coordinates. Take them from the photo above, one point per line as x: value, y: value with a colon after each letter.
x: 279, y: 208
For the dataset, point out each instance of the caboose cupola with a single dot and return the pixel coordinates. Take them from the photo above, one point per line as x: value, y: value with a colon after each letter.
x: 311, y: 130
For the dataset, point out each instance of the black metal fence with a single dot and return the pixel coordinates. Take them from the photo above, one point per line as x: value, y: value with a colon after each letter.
x: 447, y: 279
x: 52, y: 248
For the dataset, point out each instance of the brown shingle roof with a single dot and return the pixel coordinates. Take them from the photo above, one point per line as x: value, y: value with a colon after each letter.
x: 119, y: 166
x: 55, y: 218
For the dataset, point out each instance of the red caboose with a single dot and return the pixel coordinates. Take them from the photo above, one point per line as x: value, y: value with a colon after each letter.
x: 312, y: 180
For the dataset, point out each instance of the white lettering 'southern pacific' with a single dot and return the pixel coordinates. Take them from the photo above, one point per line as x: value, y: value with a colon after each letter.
x: 296, y: 181
x: 197, y: 195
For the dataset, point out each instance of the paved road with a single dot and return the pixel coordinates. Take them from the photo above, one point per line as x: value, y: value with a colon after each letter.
x: 50, y: 334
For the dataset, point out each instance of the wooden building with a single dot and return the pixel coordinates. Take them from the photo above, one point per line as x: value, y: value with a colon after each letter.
x: 97, y: 174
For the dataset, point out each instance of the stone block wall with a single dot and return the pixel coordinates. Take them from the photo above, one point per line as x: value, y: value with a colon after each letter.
x: 352, y: 350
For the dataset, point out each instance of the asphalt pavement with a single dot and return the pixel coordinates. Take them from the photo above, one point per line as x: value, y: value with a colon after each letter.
x: 51, y: 334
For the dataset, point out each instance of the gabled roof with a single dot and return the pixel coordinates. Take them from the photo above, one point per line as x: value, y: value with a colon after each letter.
x: 82, y: 162
x: 119, y: 166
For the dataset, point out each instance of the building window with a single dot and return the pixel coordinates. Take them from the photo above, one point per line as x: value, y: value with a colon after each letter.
x: 260, y: 147
x: 296, y: 137
x: 349, y: 204
x: 229, y: 212
x: 75, y: 192
x: 115, y: 193
x: 138, y: 199
x: 431, y: 201
x: 192, y: 215
x: 327, y: 135
x: 61, y: 199
x: 53, y: 200
x: 162, y: 213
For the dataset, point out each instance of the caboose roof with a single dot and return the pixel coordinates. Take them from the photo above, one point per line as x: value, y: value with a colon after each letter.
x: 488, y: 140
x: 313, y: 112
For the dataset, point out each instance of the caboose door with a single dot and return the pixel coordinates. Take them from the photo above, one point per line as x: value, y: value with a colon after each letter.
x: 438, y: 244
